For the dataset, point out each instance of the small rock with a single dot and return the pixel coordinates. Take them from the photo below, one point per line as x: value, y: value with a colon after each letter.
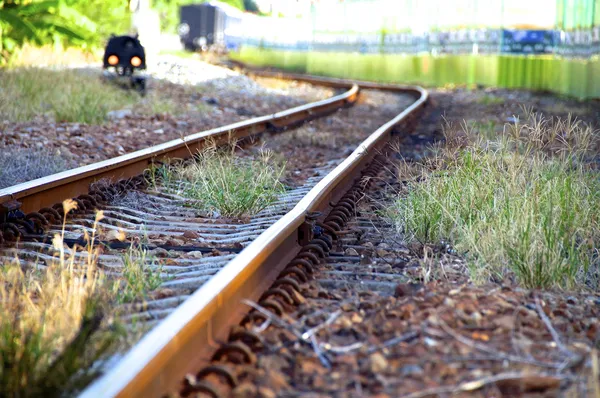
x: 382, y: 253
x: 181, y: 124
x: 190, y: 235
x: 264, y: 392
x: 377, y: 363
x: 383, y: 245
x: 244, y: 390
x: 159, y: 131
x: 411, y: 370
x: 351, y: 252
x: 120, y: 114
x: 407, y: 289
x: 159, y: 252
x: 448, y: 302
x: 174, y: 242
x: 356, y: 318
x: 195, y: 254
x: 211, y: 101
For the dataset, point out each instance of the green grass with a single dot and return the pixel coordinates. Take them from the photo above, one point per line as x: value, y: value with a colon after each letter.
x: 70, y: 96
x: 525, y: 202
x: 489, y: 100
x: 223, y: 183
x: 140, y: 275
x: 66, y: 95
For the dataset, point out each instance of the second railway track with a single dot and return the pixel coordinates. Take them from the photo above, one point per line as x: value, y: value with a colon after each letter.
x: 201, y: 301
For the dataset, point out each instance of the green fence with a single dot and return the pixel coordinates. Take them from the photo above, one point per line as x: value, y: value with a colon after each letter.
x: 573, y: 77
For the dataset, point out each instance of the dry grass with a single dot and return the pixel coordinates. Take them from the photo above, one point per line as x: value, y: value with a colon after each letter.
x: 525, y: 201
x: 29, y: 55
x: 54, y: 323
x: 18, y: 165
x: 56, y: 319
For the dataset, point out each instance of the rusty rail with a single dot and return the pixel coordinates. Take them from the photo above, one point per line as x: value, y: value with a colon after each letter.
x: 43, y: 192
x: 186, y: 339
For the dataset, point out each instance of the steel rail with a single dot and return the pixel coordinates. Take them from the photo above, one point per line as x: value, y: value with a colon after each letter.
x: 184, y: 340
x: 46, y: 191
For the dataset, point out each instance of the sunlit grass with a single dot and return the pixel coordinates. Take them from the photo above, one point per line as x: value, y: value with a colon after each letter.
x: 221, y: 181
x: 525, y: 201
x: 56, y: 319
x: 66, y: 95
x: 54, y: 322
x: 70, y: 96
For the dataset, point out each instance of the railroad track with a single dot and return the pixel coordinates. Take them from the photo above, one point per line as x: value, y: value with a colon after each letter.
x: 205, y: 292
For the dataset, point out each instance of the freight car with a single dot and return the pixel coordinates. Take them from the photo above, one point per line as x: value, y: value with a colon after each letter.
x: 210, y: 25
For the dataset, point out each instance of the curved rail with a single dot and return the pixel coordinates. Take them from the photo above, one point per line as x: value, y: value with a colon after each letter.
x: 46, y: 191
x: 184, y: 340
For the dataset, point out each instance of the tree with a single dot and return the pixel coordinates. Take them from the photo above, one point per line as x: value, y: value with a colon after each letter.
x: 41, y: 22
x: 250, y: 5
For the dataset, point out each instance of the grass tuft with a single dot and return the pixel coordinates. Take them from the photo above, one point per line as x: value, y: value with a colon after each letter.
x: 232, y: 185
x: 141, y: 274
x: 223, y: 182
x: 526, y: 201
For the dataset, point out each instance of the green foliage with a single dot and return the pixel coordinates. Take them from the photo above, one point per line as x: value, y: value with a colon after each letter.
x: 42, y: 22
x: 110, y: 16
x: 250, y: 6
x: 54, y: 331
x: 222, y: 181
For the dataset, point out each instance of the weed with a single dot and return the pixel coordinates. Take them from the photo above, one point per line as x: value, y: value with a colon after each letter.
x: 526, y: 201
x: 232, y: 185
x: 141, y: 274
x: 223, y: 182
x: 53, y: 323
x: 489, y: 100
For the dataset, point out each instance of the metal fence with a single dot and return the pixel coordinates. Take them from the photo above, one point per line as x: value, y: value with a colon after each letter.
x: 563, y: 27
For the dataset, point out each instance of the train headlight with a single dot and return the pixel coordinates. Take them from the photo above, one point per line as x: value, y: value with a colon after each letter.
x: 183, y: 29
x: 136, y: 61
x: 113, y: 60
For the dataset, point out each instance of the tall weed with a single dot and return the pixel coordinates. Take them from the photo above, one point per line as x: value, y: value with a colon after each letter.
x: 526, y: 201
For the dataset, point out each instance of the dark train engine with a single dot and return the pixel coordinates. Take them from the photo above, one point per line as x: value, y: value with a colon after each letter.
x: 125, y: 56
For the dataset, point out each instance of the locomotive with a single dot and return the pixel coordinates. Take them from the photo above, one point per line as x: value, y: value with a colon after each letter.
x: 125, y: 55
x: 210, y: 25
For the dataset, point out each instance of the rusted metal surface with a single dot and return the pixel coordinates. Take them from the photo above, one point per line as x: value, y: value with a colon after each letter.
x: 46, y: 191
x: 188, y: 336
